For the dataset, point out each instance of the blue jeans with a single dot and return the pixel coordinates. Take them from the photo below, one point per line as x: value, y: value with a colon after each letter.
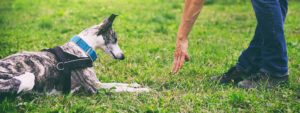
x: 267, y: 51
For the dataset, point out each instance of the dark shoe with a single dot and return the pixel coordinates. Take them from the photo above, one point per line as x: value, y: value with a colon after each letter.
x: 234, y: 75
x: 262, y: 79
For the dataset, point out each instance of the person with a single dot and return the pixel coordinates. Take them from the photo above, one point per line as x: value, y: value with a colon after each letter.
x: 264, y: 62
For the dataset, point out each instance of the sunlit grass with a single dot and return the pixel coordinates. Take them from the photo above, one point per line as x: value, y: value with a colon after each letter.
x: 147, y: 31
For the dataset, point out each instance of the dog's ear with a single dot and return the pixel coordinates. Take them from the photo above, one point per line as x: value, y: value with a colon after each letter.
x: 112, y: 17
x: 107, y: 24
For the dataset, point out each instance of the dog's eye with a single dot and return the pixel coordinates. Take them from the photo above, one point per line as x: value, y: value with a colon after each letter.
x: 114, y: 37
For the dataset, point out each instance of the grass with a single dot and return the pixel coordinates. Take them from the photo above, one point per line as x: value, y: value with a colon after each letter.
x: 147, y: 31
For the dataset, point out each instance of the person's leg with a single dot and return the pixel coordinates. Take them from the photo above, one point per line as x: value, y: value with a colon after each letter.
x: 250, y: 58
x: 284, y: 8
x: 273, y: 66
x: 247, y: 62
x: 273, y: 53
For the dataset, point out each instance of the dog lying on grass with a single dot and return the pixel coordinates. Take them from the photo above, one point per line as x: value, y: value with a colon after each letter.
x: 39, y: 71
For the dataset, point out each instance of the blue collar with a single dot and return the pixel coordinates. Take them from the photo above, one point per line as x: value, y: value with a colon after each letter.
x: 85, y: 47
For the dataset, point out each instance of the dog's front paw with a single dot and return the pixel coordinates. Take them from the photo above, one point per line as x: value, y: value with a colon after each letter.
x: 123, y: 87
x: 135, y: 85
x: 131, y: 89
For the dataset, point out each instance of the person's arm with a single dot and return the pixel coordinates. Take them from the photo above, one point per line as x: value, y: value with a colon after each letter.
x: 191, y: 11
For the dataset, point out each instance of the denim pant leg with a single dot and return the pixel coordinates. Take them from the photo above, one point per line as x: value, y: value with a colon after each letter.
x: 250, y: 58
x: 284, y: 8
x: 271, y: 20
x: 267, y: 50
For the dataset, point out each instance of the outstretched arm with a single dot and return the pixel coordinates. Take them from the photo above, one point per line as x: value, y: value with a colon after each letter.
x: 191, y: 11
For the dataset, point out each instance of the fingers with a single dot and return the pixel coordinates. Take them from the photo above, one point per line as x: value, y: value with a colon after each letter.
x: 175, y: 63
x: 178, y: 63
x: 181, y: 62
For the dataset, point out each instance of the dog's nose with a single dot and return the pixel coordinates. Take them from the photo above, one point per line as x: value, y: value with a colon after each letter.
x: 122, y: 57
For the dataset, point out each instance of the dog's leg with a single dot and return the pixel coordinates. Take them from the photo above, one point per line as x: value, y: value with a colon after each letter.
x: 123, y: 87
x: 9, y: 85
x: 27, y: 81
x: 24, y: 82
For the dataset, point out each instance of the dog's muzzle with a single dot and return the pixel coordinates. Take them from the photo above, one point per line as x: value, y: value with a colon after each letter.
x: 121, y: 57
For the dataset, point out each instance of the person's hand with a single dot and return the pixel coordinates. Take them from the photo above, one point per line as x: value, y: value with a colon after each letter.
x: 180, y: 55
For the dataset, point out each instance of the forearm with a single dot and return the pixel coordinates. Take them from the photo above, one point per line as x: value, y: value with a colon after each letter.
x: 191, y: 11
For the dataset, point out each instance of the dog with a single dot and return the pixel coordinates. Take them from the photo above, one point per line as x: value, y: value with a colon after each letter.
x: 38, y: 71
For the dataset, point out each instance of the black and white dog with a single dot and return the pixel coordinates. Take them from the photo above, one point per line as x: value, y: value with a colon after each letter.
x: 38, y: 71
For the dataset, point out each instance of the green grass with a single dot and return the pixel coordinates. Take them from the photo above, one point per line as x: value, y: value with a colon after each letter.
x: 147, y: 31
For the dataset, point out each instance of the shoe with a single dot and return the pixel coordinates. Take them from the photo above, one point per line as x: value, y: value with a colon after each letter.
x: 262, y: 79
x: 234, y: 75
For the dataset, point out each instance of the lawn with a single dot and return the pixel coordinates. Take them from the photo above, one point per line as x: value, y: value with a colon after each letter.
x: 147, y: 34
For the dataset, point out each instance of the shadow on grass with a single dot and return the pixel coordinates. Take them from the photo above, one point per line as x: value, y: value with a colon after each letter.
x: 10, y: 102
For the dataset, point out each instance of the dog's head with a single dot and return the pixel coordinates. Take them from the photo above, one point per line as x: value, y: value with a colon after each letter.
x: 104, y: 37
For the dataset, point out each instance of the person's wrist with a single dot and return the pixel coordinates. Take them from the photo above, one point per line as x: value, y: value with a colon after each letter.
x: 181, y: 36
x: 182, y: 40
